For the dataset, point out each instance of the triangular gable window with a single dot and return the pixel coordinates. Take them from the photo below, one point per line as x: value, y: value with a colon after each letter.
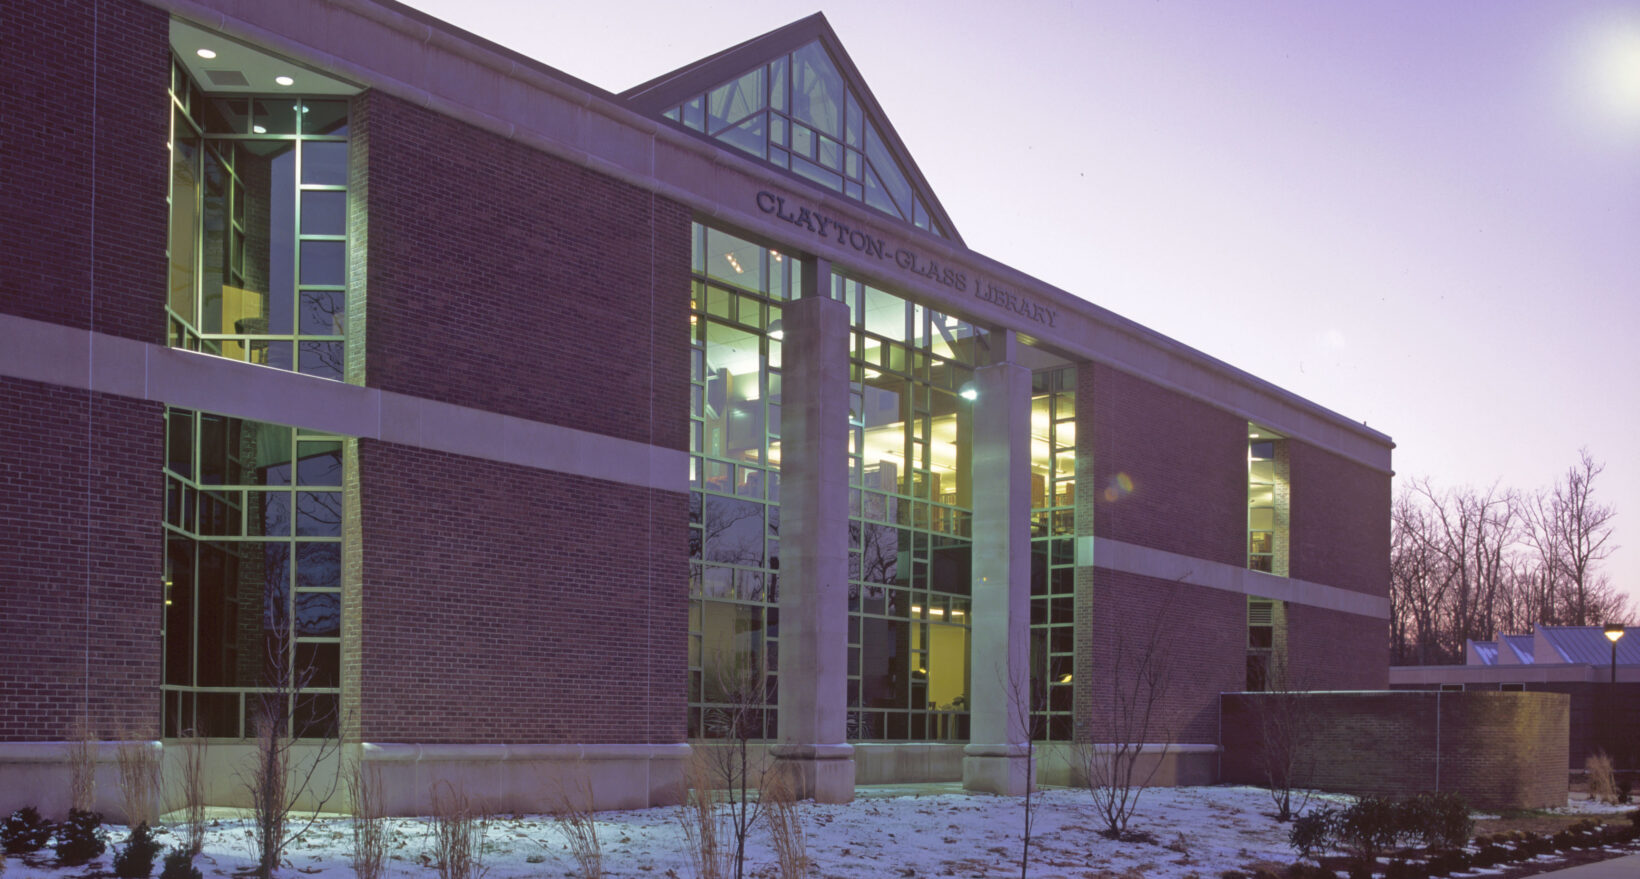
x: 797, y: 113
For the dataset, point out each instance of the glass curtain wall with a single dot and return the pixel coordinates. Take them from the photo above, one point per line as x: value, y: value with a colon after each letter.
x: 734, y: 472
x: 797, y: 113
x: 1053, y: 551
x: 910, y: 510
x: 258, y: 227
x: 1261, y: 504
x: 253, y: 562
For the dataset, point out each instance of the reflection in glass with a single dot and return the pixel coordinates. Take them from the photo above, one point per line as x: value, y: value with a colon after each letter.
x: 258, y: 209
x: 735, y: 459
x: 247, y: 600
x: 910, y: 510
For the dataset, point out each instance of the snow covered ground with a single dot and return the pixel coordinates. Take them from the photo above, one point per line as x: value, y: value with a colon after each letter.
x: 929, y: 831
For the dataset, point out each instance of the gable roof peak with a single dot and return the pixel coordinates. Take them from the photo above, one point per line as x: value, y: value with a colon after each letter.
x: 793, y: 98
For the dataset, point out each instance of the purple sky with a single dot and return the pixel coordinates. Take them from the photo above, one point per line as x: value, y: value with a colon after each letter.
x: 1425, y: 216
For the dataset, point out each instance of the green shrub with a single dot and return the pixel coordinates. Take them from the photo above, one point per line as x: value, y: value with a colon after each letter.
x: 179, y: 864
x: 80, y: 838
x: 1313, y: 833
x: 1490, y: 855
x: 1370, y: 826
x: 136, y: 859
x: 24, y: 831
x: 1439, y: 820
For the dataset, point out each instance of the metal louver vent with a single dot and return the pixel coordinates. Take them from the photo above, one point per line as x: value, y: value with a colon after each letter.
x: 1259, y: 613
x: 227, y: 78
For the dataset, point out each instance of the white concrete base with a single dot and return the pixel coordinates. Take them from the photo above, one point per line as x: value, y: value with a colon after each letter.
x: 824, y: 773
x: 530, y: 778
x: 1064, y: 763
x: 998, y: 769
x: 496, y: 778
x: 907, y: 762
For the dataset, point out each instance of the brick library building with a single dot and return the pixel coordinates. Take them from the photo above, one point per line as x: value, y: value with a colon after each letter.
x: 511, y: 430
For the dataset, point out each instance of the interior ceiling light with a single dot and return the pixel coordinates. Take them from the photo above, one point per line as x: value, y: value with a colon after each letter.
x: 207, y: 54
x: 258, y: 129
x: 284, y: 80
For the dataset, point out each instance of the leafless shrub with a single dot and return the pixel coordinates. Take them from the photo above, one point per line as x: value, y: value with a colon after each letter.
x: 369, y: 853
x: 140, y: 779
x: 1138, y: 680
x: 82, y: 766
x: 1286, y: 733
x: 575, y: 820
x: 1602, y: 783
x: 458, y: 830
x: 193, y: 790
x: 785, y: 825
x: 277, y: 781
x: 701, y: 822
x: 730, y: 766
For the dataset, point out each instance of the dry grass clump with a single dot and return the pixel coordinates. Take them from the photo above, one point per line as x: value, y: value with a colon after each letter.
x: 1602, y: 783
x: 141, y: 782
x: 785, y: 825
x: 574, y: 819
x: 82, y: 766
x: 193, y: 791
x: 458, y: 829
x: 702, y: 824
x: 369, y: 853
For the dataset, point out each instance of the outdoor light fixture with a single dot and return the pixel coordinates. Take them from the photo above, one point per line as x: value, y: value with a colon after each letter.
x: 207, y: 54
x: 1614, y: 631
x: 284, y: 80
x: 776, y: 330
x: 968, y: 392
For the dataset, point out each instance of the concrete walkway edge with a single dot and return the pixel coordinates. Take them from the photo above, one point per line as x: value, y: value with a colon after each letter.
x: 1625, y: 867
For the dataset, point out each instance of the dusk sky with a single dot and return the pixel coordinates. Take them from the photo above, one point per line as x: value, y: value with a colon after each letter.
x: 1422, y: 215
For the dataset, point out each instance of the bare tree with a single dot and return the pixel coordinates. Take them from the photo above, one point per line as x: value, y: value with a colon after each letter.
x: 1467, y: 563
x: 1138, y: 679
x: 738, y: 721
x: 279, y: 778
x: 1287, y: 732
x: 1571, y: 533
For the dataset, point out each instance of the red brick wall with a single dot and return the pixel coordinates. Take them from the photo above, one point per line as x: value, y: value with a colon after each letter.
x: 1340, y: 521
x: 83, y: 116
x: 503, y: 604
x: 81, y: 502
x: 1200, y: 638
x: 505, y: 279
x: 1333, y: 650
x: 1499, y: 750
x: 1187, y: 462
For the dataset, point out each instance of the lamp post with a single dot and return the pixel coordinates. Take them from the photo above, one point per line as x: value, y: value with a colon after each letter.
x: 1614, y: 631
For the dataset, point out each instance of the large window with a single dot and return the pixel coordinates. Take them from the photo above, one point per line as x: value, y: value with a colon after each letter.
x: 797, y: 113
x: 910, y: 507
x: 1267, y: 501
x: 1053, y: 550
x: 253, y: 561
x: 734, y: 513
x: 258, y: 228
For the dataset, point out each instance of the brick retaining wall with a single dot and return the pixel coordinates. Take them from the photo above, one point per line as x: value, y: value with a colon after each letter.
x: 1499, y: 750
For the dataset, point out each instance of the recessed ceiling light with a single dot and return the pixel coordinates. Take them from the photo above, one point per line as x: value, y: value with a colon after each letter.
x: 284, y: 80
x: 258, y: 129
x: 207, y: 54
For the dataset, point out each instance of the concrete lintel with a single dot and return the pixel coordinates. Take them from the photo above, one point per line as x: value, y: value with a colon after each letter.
x: 57, y: 355
x: 1129, y: 558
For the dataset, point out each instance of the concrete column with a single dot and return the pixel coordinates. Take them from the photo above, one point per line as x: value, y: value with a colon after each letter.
x: 996, y: 758
x: 813, y: 658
